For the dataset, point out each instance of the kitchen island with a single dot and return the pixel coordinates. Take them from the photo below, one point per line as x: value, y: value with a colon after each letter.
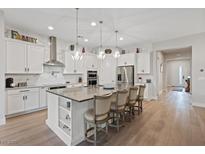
x: 66, y: 108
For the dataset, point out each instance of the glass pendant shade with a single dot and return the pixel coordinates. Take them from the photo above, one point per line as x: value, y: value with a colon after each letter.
x: 77, y: 54
x: 101, y: 53
x: 117, y: 53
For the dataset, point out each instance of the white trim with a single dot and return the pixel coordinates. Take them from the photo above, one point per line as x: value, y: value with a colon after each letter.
x: 2, y: 121
x: 198, y: 104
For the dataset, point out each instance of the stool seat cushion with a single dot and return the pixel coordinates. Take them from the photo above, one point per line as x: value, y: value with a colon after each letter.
x: 89, y: 116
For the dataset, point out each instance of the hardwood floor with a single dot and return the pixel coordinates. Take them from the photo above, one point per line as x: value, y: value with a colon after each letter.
x: 169, y: 121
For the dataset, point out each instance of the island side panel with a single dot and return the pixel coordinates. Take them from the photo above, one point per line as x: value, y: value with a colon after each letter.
x: 78, y: 110
x: 53, y: 118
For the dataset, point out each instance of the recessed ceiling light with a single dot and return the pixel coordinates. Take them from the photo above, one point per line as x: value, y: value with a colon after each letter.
x: 121, y: 38
x: 86, y: 40
x: 50, y: 28
x: 93, y: 24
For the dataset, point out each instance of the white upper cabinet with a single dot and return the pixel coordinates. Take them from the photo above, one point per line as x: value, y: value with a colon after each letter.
x: 24, y: 57
x: 127, y: 59
x: 91, y: 61
x: 143, y: 63
x: 15, y: 57
x: 69, y: 63
x: 35, y: 59
x: 107, y: 70
x: 80, y: 65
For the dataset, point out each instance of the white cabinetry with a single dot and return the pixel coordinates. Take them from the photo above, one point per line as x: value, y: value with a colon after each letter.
x: 143, y: 63
x: 15, y: 103
x: 72, y: 66
x: 127, y: 59
x: 24, y: 57
x: 107, y: 70
x: 15, y: 57
x: 35, y: 59
x: 69, y: 63
x: 31, y: 99
x: 43, y: 97
x: 91, y: 61
x: 22, y: 100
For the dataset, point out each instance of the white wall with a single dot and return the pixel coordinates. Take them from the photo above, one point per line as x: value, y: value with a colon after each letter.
x: 160, y: 73
x: 198, y: 53
x: 2, y: 70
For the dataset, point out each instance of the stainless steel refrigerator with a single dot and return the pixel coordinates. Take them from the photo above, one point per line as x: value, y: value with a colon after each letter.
x: 125, y: 74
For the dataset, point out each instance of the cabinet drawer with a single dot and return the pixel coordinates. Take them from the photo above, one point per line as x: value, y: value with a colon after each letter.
x: 19, y: 91
x: 65, y: 128
x: 65, y: 116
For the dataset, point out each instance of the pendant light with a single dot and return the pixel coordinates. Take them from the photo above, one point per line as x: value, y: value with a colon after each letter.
x: 117, y: 52
x: 101, y: 53
x: 77, y: 55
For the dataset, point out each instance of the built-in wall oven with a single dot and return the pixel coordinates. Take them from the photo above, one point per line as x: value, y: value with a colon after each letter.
x: 92, y: 78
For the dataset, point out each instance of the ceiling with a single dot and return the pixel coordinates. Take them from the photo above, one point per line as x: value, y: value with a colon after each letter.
x: 134, y: 25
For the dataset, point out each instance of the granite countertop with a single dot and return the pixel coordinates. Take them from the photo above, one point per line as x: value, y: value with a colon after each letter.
x: 34, y: 86
x: 81, y: 94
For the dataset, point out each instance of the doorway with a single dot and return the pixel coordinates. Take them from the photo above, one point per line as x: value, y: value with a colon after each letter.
x: 178, y: 71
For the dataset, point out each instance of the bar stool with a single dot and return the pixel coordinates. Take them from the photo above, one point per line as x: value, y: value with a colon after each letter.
x: 140, y: 98
x: 132, y: 99
x: 98, y: 115
x: 118, y: 108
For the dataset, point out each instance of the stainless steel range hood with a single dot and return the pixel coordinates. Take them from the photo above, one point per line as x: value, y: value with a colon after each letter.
x: 53, y: 54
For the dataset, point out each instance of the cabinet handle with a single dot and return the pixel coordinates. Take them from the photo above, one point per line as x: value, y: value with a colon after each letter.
x: 25, y: 69
x: 24, y: 91
x: 67, y: 117
x: 28, y: 69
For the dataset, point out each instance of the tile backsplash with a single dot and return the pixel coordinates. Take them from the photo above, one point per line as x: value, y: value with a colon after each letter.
x: 32, y: 79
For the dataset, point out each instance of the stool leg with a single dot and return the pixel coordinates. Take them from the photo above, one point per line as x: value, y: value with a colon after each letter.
x: 95, y: 134
x: 106, y: 127
x: 118, y: 126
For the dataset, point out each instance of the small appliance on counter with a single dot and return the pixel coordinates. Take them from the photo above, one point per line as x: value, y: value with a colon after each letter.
x: 9, y: 82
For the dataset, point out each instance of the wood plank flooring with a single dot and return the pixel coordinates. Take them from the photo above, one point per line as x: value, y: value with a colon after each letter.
x: 169, y: 121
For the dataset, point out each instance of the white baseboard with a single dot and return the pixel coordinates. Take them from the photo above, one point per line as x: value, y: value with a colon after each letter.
x: 2, y: 121
x: 198, y: 104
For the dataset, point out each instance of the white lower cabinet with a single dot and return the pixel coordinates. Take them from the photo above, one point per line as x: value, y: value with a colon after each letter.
x: 31, y: 99
x: 15, y: 103
x: 43, y: 97
x: 22, y: 100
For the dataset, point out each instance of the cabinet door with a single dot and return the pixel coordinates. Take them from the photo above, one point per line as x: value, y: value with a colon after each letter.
x: 127, y: 59
x: 107, y: 73
x: 143, y: 63
x: 32, y: 100
x: 15, y: 103
x: 80, y: 65
x: 15, y: 57
x: 43, y: 97
x: 91, y: 62
x: 35, y: 58
x: 69, y: 63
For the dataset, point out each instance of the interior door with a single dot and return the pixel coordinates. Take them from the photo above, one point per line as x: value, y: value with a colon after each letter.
x: 177, y: 72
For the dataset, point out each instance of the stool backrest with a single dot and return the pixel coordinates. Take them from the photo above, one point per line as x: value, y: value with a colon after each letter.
x: 122, y: 96
x: 102, y: 104
x: 133, y: 93
x: 141, y: 91
x: 114, y: 97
